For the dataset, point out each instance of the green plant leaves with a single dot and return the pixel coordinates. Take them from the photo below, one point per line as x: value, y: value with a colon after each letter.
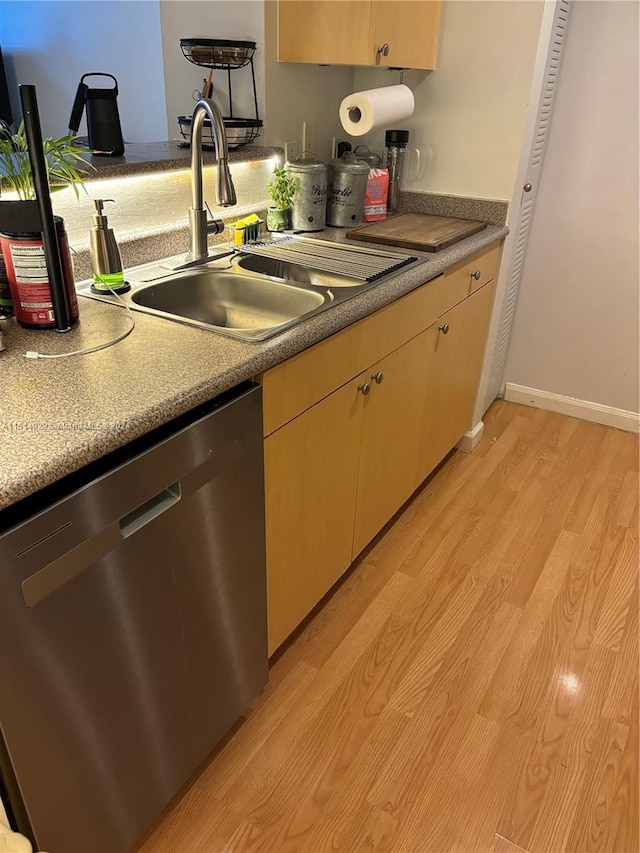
x: 66, y: 164
x: 282, y: 189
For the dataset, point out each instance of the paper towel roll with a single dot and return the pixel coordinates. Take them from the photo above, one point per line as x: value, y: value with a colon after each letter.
x: 362, y: 111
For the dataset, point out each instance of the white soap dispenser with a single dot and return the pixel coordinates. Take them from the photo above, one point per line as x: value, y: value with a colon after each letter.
x: 105, y: 255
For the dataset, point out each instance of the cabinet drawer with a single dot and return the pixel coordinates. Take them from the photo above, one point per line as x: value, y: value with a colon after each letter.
x: 295, y: 385
x: 473, y: 273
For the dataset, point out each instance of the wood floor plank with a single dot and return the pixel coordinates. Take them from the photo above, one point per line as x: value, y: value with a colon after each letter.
x: 623, y: 832
x: 592, y: 821
x: 527, y: 532
x: 348, y: 816
x: 546, y: 431
x: 622, y: 595
x: 448, y: 526
x: 623, y: 686
x: 617, y: 456
x: 451, y: 702
x: 626, y: 501
x: 533, y: 541
x: 452, y: 779
x: 473, y: 830
x: 281, y: 748
x: 505, y: 691
x: 558, y: 809
x: 565, y: 695
x: 417, y: 681
x: 522, y: 706
x: 240, y: 752
x: 200, y: 824
x: 496, y: 420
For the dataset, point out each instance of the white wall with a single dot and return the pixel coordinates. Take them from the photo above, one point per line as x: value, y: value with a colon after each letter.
x: 576, y: 325
x: 52, y: 43
x: 470, y: 111
x: 222, y: 19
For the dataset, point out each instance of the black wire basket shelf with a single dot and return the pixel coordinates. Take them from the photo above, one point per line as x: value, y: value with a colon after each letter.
x: 218, y: 53
x: 239, y: 132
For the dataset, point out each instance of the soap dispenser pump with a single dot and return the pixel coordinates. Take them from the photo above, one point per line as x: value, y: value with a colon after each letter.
x: 105, y: 255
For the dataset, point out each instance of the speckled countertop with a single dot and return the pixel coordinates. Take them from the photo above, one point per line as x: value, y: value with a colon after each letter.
x: 58, y: 415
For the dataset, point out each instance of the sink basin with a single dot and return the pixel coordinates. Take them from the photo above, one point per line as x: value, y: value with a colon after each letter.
x: 295, y: 272
x: 240, y: 305
x: 253, y: 296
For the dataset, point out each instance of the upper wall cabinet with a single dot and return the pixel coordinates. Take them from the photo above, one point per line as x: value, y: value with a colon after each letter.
x: 388, y: 33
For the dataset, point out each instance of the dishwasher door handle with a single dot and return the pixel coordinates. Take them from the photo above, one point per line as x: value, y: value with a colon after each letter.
x: 155, y: 506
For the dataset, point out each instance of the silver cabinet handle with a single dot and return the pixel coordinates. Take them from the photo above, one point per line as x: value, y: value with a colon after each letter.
x: 527, y: 188
x: 377, y: 377
x: 444, y: 328
x: 364, y: 388
x: 383, y: 50
x: 476, y: 275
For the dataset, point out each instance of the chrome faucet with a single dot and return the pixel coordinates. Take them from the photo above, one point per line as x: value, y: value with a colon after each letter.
x: 199, y: 225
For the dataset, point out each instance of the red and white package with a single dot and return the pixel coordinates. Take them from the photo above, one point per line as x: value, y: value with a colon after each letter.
x: 375, y: 198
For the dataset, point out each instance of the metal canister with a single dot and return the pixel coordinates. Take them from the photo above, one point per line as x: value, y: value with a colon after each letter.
x: 347, y: 184
x: 309, y: 209
x: 26, y: 268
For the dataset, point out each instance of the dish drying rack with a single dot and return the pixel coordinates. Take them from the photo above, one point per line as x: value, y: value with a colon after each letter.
x: 367, y: 265
x: 225, y: 55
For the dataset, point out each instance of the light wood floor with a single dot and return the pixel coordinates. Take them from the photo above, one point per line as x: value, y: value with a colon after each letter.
x: 473, y: 682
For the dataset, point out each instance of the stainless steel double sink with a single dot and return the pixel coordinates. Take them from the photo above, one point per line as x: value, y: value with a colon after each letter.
x: 243, y: 296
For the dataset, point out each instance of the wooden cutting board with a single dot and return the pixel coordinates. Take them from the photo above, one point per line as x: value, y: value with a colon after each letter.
x: 417, y: 231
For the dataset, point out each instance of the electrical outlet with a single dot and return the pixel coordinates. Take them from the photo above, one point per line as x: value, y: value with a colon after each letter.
x: 291, y: 151
x: 308, y: 136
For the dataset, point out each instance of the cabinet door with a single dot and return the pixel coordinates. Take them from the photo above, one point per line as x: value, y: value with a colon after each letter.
x: 457, y: 344
x: 409, y: 28
x: 393, y: 414
x: 334, y: 32
x: 311, y: 472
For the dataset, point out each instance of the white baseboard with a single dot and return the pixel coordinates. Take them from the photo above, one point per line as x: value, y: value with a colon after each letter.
x: 471, y: 439
x: 583, y: 409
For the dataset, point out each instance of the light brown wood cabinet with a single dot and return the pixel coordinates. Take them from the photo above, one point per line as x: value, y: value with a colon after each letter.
x: 355, y: 423
x: 388, y: 33
x: 391, y: 434
x: 456, y: 347
x: 311, y: 476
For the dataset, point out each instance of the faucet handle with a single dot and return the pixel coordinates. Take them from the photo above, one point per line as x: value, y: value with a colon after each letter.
x: 214, y: 226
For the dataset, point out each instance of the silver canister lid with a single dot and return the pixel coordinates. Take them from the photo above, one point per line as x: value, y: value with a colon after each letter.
x: 364, y: 153
x: 306, y: 167
x: 351, y: 166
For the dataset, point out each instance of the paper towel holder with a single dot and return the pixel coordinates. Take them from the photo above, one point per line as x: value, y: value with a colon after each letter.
x: 355, y: 114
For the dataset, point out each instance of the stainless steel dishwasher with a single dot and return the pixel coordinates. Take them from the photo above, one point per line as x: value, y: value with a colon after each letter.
x: 133, y: 629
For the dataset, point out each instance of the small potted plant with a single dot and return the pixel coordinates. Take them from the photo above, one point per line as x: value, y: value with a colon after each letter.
x: 282, y: 190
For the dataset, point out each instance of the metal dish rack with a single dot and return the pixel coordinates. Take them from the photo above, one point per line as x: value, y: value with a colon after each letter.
x: 226, y: 55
